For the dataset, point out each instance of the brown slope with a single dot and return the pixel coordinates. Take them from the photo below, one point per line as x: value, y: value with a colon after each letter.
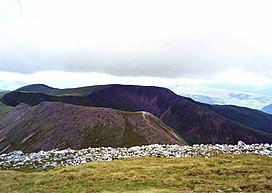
x: 50, y: 125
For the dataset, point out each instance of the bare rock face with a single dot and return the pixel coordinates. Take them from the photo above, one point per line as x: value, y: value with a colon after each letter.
x: 57, y: 125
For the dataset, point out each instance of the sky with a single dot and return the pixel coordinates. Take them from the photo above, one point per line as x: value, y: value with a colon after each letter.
x: 69, y: 43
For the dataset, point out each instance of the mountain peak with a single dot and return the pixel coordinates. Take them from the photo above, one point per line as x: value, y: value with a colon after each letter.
x: 35, y: 88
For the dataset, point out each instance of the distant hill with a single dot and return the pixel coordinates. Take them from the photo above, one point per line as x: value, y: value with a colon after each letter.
x: 41, y: 88
x: 267, y: 109
x: 58, y: 125
x: 195, y: 122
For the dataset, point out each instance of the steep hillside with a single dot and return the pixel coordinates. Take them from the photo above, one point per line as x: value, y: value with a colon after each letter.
x: 195, y: 122
x: 250, y: 117
x: 267, y: 109
x: 50, y: 125
x: 4, y: 110
x: 35, y: 98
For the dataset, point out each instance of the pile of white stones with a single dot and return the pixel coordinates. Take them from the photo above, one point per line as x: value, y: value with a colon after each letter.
x: 69, y: 157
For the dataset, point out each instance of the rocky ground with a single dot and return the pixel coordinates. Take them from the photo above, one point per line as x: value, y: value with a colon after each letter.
x: 69, y: 157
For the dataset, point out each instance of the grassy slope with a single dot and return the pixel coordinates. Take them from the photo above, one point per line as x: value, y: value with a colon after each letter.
x: 3, y: 110
x: 242, y: 173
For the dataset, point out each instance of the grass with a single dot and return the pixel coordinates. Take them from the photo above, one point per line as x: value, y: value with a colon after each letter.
x: 4, y: 110
x: 247, y: 173
x: 99, y: 136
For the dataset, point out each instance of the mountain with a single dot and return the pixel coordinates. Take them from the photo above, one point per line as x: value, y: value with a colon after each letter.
x: 41, y: 88
x: 267, y: 109
x: 195, y: 122
x: 220, y: 94
x: 59, y: 125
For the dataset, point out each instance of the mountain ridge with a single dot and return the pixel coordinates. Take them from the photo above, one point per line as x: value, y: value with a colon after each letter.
x: 195, y: 122
x: 58, y: 125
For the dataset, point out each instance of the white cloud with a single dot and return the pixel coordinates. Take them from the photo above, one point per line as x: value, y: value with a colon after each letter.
x: 238, y: 77
x: 70, y: 79
x: 62, y: 79
x: 173, y: 39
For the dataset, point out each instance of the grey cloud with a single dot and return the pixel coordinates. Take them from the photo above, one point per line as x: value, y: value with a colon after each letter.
x: 196, y: 59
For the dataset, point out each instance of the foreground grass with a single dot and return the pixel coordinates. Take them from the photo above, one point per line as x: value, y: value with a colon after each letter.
x: 247, y: 173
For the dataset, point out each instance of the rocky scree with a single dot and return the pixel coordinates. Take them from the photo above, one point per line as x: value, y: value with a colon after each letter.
x: 70, y: 157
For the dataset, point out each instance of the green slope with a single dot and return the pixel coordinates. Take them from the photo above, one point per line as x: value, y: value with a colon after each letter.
x: 4, y: 110
x: 227, y: 173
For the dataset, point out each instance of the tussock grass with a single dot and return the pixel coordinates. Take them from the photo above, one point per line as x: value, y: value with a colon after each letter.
x: 238, y: 173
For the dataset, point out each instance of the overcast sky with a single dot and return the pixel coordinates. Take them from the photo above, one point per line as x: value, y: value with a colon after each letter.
x: 68, y: 43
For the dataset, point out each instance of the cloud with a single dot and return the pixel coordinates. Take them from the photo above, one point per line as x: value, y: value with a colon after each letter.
x: 192, y: 57
x: 60, y: 79
x: 136, y: 39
